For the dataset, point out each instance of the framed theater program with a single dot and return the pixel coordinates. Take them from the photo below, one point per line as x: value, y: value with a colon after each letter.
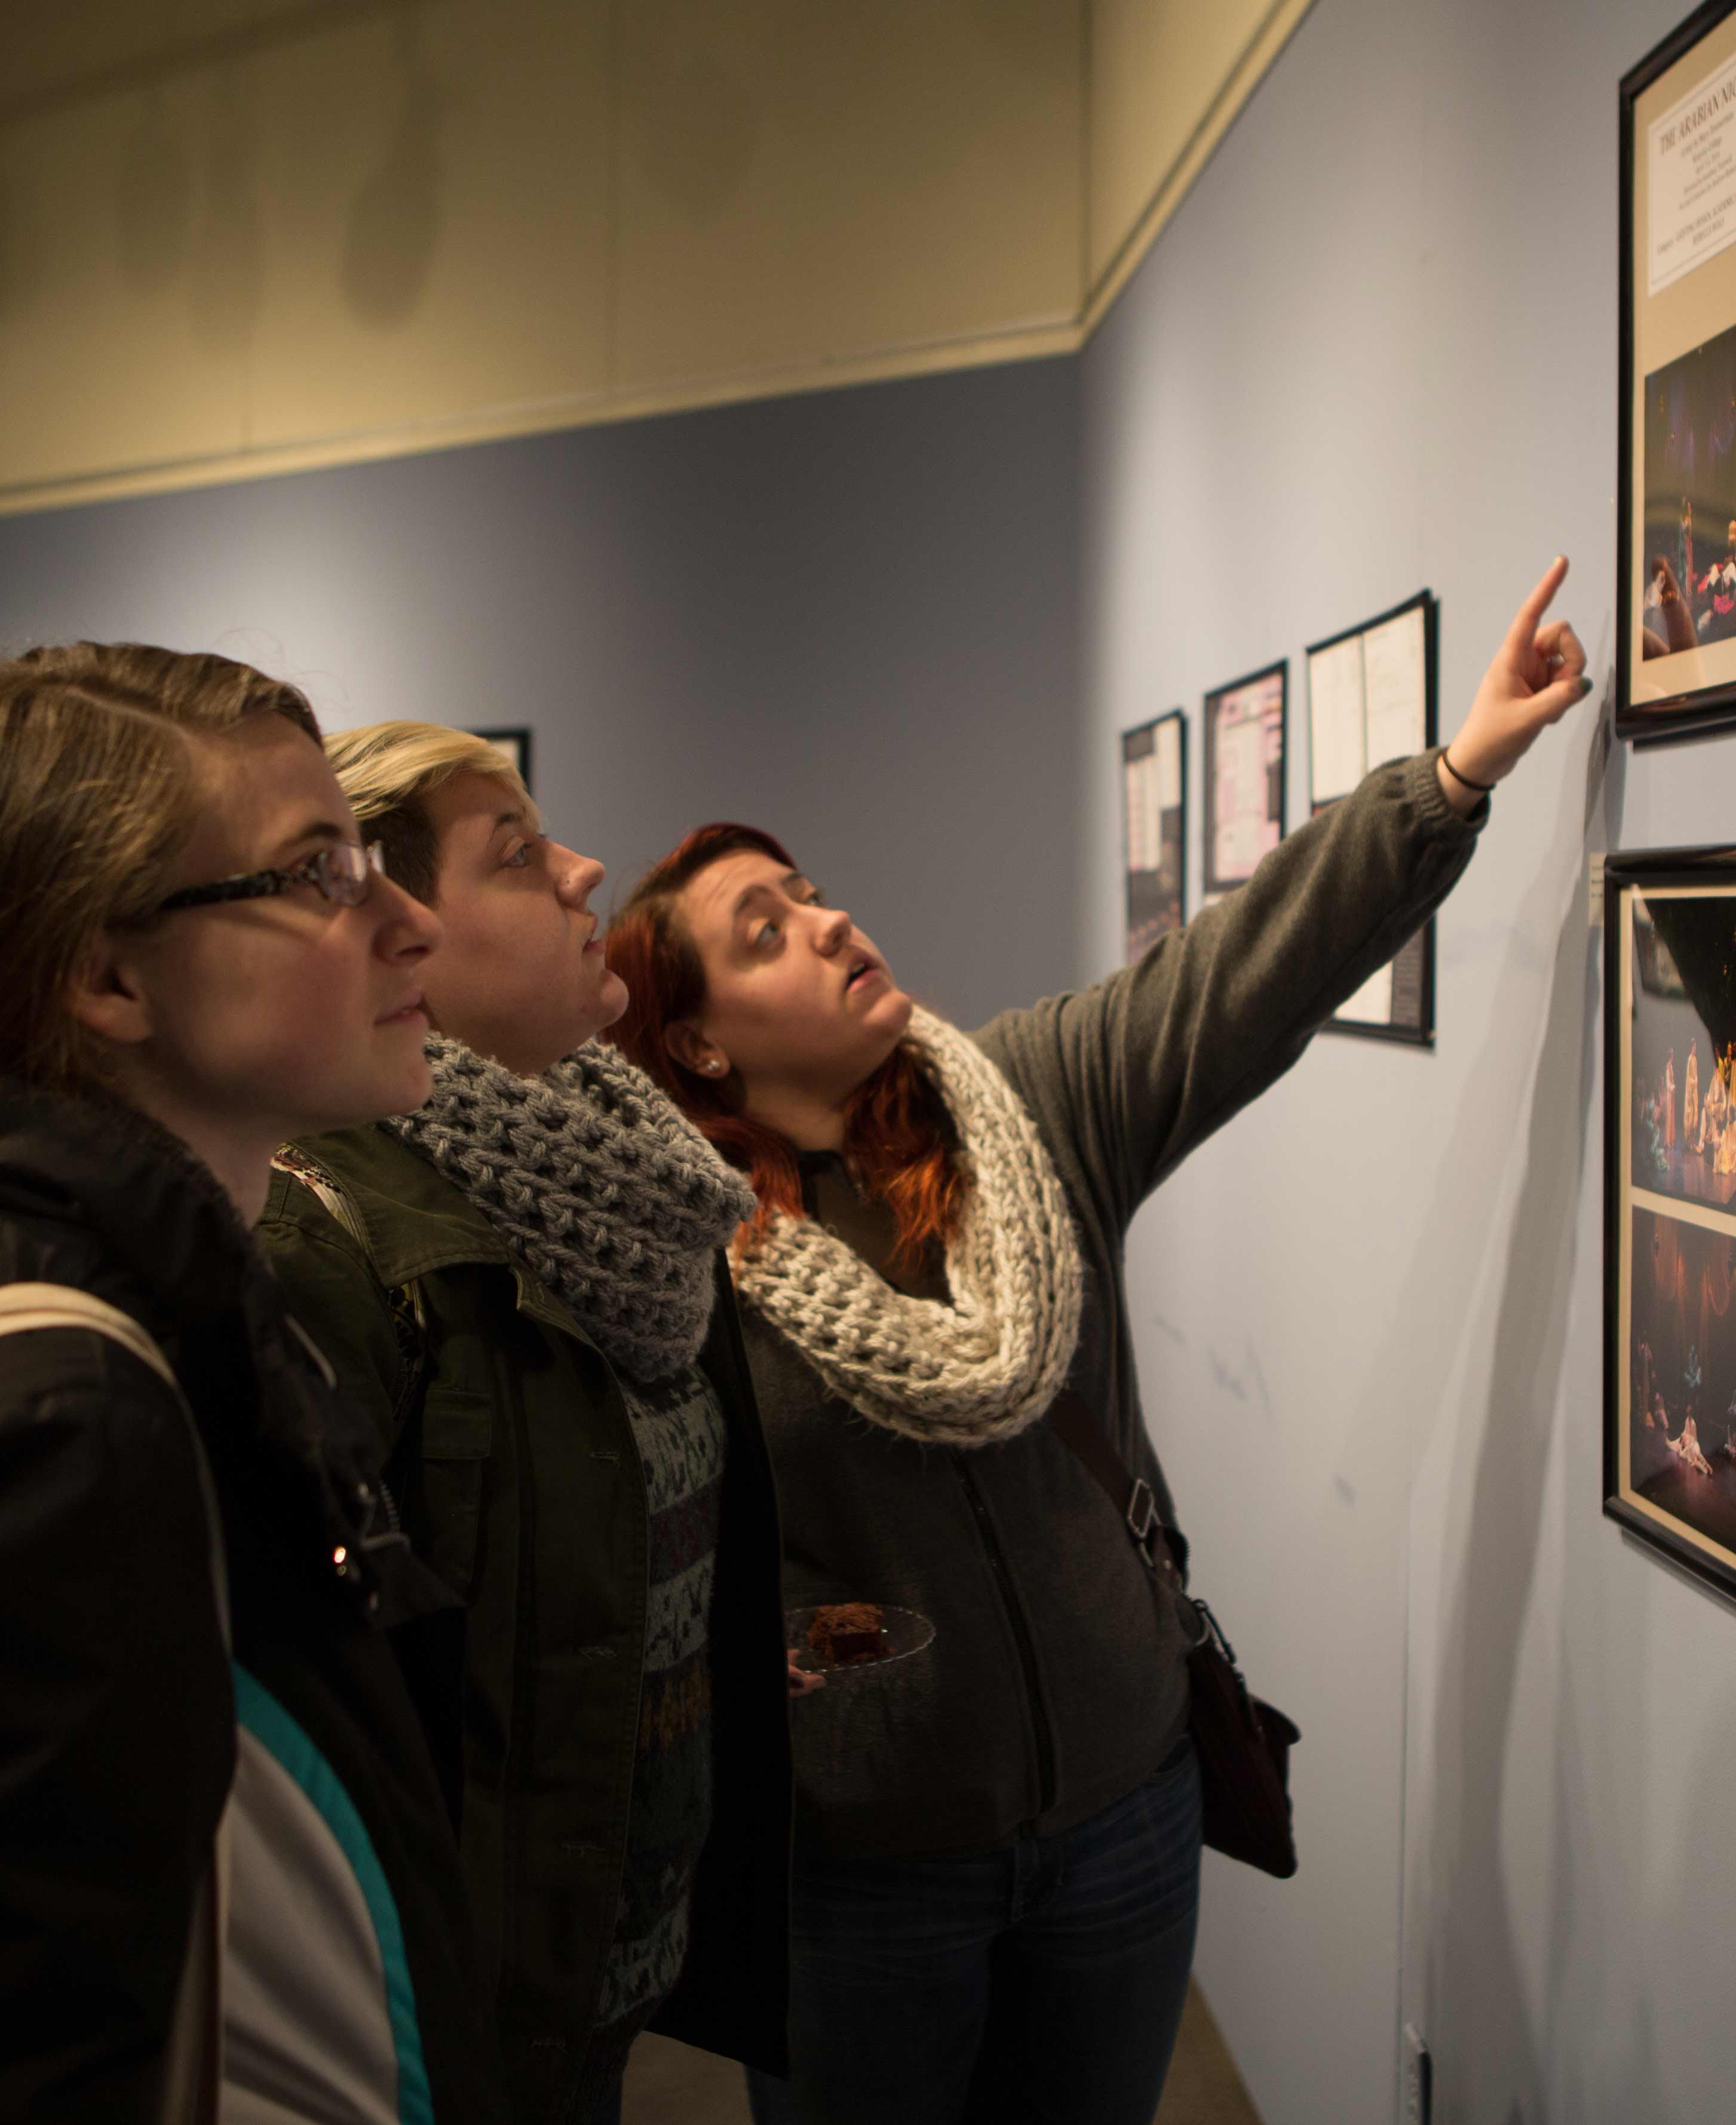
x: 1153, y: 781
x: 515, y: 745
x: 1371, y: 698
x: 1669, y: 1381
x: 1676, y: 516
x: 1245, y: 776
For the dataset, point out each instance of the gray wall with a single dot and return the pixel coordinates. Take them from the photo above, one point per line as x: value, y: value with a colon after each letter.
x: 848, y: 617
x: 1376, y: 350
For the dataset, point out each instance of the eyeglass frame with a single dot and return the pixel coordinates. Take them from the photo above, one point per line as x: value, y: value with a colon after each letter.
x: 264, y: 884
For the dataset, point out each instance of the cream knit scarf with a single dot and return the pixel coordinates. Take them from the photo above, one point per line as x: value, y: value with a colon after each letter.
x: 597, y: 1183
x: 990, y: 1364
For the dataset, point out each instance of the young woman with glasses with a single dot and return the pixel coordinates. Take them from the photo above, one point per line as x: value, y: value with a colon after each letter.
x: 207, y: 1613
x: 997, y: 1850
x: 524, y: 1282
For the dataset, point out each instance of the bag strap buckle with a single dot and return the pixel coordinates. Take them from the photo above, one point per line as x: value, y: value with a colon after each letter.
x: 1143, y: 1523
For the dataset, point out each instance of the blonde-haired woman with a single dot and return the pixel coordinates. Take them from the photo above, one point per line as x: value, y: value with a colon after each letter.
x: 197, y: 959
x: 524, y: 1282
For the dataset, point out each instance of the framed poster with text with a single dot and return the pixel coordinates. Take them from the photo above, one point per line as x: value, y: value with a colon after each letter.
x: 1154, y: 781
x: 515, y: 744
x: 1373, y: 698
x: 1245, y: 776
x: 1669, y: 1375
x: 1676, y: 512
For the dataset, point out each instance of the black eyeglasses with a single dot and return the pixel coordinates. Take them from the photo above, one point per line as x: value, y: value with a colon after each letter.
x: 342, y: 872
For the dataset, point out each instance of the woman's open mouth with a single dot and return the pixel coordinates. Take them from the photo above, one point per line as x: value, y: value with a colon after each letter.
x: 862, y: 968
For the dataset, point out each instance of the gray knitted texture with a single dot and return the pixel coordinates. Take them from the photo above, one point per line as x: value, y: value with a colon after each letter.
x: 989, y: 1364
x: 599, y: 1185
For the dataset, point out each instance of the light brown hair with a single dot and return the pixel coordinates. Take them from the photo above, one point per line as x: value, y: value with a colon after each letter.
x: 99, y: 791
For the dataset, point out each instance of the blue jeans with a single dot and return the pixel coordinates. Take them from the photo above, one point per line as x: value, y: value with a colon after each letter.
x: 1037, y: 1983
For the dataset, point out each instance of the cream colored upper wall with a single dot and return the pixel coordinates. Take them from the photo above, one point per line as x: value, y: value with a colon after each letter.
x: 1165, y: 80
x: 238, y: 237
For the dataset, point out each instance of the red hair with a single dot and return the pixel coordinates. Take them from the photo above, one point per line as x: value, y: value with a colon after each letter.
x: 899, y: 1139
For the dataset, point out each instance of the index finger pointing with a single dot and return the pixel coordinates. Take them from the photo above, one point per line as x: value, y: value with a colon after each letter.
x: 1520, y: 635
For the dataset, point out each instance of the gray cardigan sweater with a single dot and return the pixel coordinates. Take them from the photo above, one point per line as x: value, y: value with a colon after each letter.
x: 1056, y: 1682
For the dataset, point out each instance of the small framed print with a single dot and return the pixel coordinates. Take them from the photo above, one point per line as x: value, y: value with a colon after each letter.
x: 1372, y: 697
x: 515, y: 744
x: 1245, y: 776
x: 1676, y: 512
x: 1669, y: 1382
x: 1154, y: 781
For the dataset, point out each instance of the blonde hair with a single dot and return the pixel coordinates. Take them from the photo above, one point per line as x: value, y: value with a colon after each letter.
x: 389, y: 770
x: 99, y: 791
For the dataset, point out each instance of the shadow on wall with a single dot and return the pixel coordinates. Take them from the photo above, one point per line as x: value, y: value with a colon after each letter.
x: 226, y: 286
x: 212, y: 231
x: 394, y: 225
x: 1476, y: 1993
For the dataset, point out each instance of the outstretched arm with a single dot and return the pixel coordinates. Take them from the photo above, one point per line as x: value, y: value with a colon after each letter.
x: 1125, y: 1079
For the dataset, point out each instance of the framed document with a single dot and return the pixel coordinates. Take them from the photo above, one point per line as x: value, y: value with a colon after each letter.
x: 515, y: 744
x: 1669, y: 1375
x: 1154, y: 781
x: 1245, y: 776
x: 1371, y: 697
x: 1676, y: 512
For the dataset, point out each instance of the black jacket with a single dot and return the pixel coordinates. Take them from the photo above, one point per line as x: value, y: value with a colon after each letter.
x: 117, y: 1711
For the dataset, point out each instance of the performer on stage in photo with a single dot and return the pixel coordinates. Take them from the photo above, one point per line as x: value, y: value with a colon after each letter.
x: 1691, y: 1093
x: 1716, y: 594
x: 1686, y: 1448
x: 1669, y: 1102
x: 1713, y: 1111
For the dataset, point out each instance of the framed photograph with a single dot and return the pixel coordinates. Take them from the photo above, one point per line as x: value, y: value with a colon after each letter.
x: 515, y: 744
x: 1669, y: 1379
x: 1371, y: 698
x: 1154, y: 782
x: 1676, y: 509
x: 1245, y: 776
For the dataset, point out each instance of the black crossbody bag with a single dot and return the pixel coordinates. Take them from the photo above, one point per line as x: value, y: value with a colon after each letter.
x: 1243, y: 1745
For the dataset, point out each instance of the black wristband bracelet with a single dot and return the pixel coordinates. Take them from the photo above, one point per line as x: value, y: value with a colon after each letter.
x: 1482, y: 788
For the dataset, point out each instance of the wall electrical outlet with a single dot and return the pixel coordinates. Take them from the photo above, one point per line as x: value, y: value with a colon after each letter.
x: 1418, y: 2078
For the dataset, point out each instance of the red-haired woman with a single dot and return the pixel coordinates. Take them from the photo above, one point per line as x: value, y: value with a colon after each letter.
x: 998, y: 1843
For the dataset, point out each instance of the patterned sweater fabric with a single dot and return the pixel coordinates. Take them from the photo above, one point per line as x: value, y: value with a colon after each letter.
x: 679, y: 1429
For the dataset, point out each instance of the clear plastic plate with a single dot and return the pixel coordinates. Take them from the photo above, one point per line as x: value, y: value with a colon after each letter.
x: 904, y: 1632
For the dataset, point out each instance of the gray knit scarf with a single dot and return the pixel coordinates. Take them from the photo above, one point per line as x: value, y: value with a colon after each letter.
x: 597, y: 1183
x: 990, y: 1364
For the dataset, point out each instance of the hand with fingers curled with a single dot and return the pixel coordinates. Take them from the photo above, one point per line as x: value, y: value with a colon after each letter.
x: 1537, y: 674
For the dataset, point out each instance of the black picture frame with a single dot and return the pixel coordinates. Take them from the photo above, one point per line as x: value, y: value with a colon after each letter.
x: 1277, y: 771
x: 1415, y: 961
x: 1673, y: 1233
x: 515, y: 741
x: 1147, y: 895
x: 1704, y: 702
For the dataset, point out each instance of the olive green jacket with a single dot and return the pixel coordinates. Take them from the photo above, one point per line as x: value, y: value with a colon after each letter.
x: 510, y: 1449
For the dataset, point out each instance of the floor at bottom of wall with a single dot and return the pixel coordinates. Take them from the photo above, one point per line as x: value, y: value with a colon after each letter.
x: 670, y: 2084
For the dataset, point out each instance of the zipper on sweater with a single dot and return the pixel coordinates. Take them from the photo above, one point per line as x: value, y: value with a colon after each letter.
x: 1039, y: 1716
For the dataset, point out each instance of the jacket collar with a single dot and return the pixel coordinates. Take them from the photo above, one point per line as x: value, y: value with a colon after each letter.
x: 96, y: 1196
x: 111, y: 1185
x: 416, y: 1222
